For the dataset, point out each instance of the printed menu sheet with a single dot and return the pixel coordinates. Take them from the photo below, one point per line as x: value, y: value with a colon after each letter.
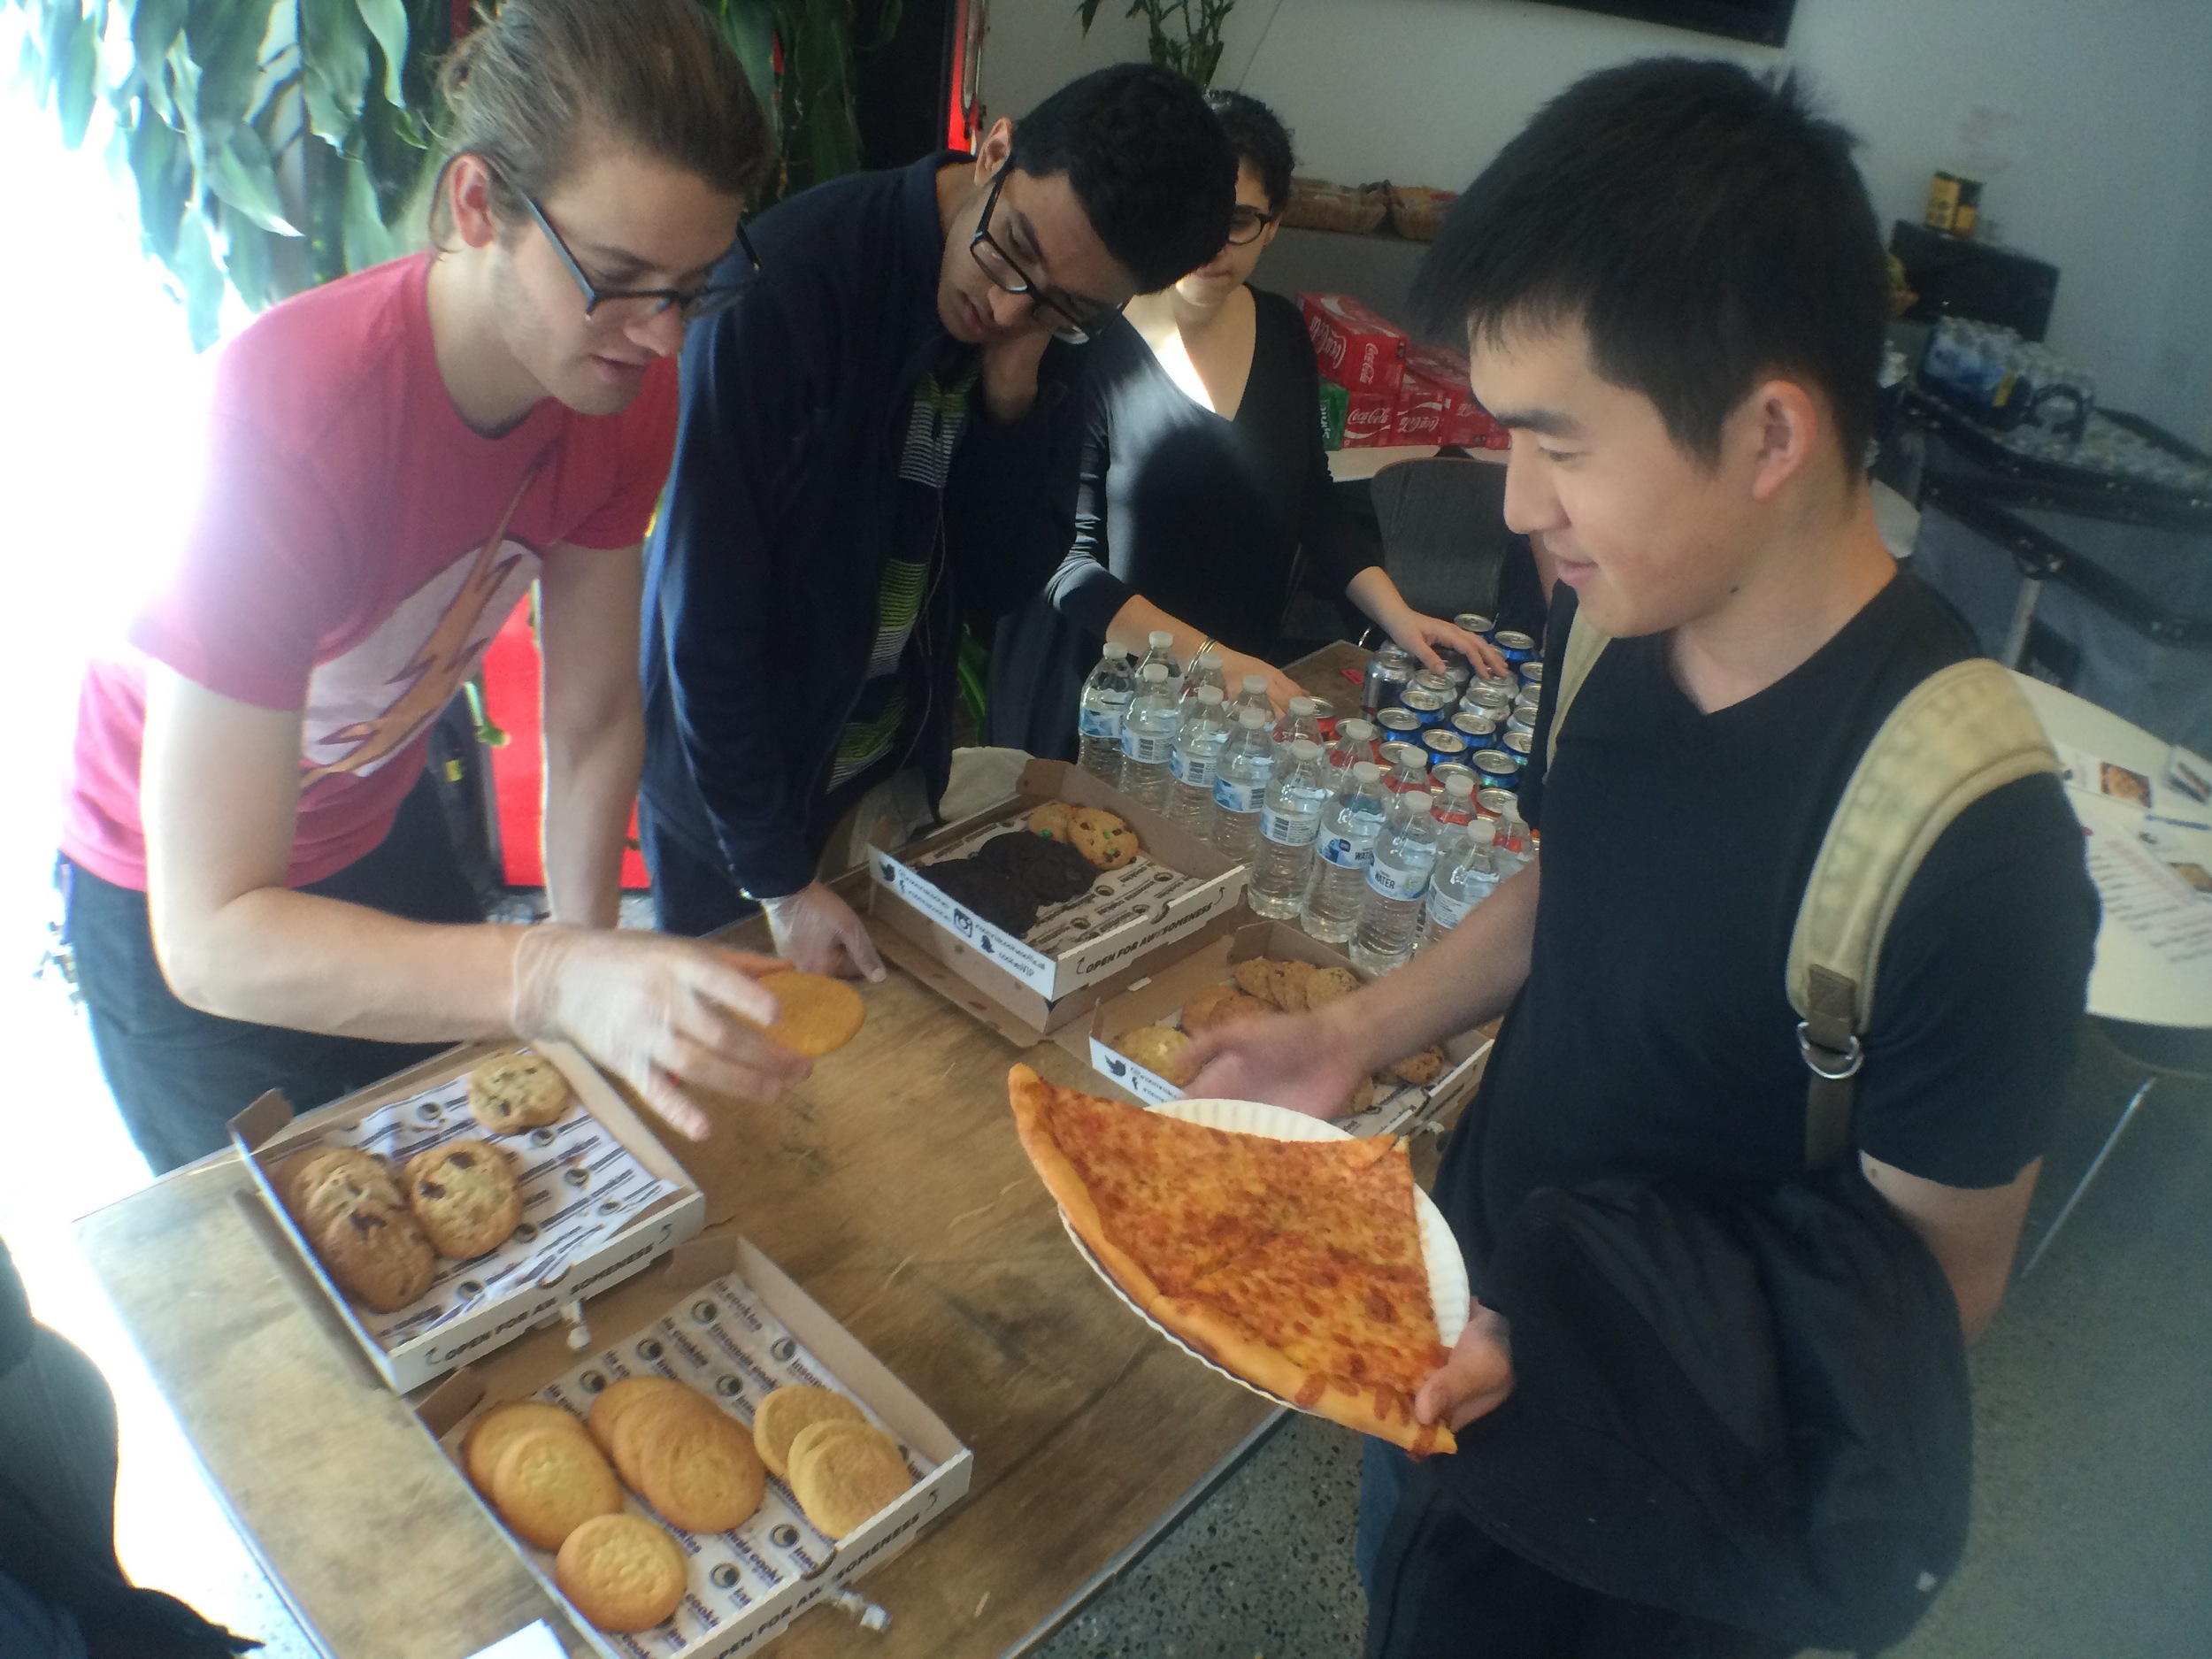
x: 580, y: 1185
x: 2151, y: 894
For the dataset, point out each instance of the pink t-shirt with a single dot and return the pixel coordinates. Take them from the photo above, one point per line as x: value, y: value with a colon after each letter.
x: 355, y: 548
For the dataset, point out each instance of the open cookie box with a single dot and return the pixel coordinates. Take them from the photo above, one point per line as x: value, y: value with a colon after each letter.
x: 1156, y: 1000
x: 1040, y: 988
x: 603, y: 1200
x: 719, y: 1315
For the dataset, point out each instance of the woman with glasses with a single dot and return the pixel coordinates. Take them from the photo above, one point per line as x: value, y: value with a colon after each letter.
x: 262, y: 892
x: 1202, y: 474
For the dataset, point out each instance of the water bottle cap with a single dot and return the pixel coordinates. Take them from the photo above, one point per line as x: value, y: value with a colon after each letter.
x: 1356, y: 731
x: 1154, y: 674
x: 1251, y: 719
x: 1159, y: 639
x: 1483, y: 829
x: 1305, y: 751
x: 1255, y: 683
x: 1208, y: 659
x: 1209, y: 695
x: 1113, y: 653
x: 1459, y: 787
x: 1301, y: 705
x: 1366, y: 771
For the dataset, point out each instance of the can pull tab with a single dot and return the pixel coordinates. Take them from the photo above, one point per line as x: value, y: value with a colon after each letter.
x: 870, y: 1615
x: 578, y: 1333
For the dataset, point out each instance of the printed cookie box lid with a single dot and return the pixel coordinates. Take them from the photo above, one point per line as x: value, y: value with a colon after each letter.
x: 602, y: 1200
x: 1217, y: 885
x: 1155, y: 1002
x: 721, y: 1317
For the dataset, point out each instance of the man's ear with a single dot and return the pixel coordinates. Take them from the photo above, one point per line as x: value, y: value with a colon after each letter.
x: 468, y: 185
x: 991, y: 154
x: 1787, y: 423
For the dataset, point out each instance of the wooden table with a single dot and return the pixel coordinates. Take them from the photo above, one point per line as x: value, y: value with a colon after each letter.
x: 893, y: 1188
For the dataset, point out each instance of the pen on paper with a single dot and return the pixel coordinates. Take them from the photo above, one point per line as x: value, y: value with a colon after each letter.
x: 2179, y: 822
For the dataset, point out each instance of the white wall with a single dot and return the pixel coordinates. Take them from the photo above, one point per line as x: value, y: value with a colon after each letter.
x: 2087, y: 119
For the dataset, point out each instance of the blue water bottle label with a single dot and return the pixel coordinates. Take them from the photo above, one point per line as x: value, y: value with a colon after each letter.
x: 1146, y: 751
x: 1197, y: 771
x: 1238, y: 798
x: 1446, y: 911
x: 1098, y: 722
x: 1345, y: 853
x: 1395, y: 883
x: 1286, y: 829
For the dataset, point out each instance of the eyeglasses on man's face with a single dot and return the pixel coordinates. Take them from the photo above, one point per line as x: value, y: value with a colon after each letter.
x: 1246, y: 222
x: 1069, y: 316
x: 691, y: 303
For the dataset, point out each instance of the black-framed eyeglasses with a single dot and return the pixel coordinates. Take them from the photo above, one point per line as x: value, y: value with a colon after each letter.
x: 692, y: 302
x: 1246, y: 225
x: 1079, y: 319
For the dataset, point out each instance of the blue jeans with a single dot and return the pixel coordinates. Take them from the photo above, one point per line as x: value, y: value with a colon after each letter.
x: 1382, y: 1476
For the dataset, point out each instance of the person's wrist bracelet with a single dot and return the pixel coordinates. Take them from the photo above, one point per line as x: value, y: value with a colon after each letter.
x: 1204, y: 645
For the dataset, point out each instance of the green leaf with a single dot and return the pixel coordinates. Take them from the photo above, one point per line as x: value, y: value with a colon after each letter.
x: 241, y: 174
x: 368, y: 240
x: 749, y: 25
x: 387, y: 21
x: 335, y: 46
x: 163, y: 167
x: 74, y: 85
x: 248, y: 263
x: 201, y: 279
x: 154, y: 26
x: 223, y: 38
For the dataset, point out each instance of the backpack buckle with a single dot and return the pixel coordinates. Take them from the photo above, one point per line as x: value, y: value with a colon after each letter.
x: 1835, y: 1065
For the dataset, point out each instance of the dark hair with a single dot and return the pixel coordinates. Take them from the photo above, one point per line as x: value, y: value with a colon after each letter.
x: 1150, y: 165
x: 1705, y: 228
x: 1260, y: 138
x: 538, y: 78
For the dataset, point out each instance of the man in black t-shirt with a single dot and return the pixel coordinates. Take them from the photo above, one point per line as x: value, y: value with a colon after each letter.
x: 1673, y: 286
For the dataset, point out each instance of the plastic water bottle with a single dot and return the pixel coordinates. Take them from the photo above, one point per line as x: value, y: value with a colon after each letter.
x: 1247, y: 765
x: 1397, y: 882
x: 1511, y: 850
x: 1408, y: 773
x: 1289, y: 824
x: 1298, y: 724
x: 1161, y: 650
x: 1191, y: 768
x: 1205, y: 669
x: 1107, y: 694
x: 1354, y: 741
x: 1349, y: 826
x: 1253, y: 695
x: 1147, y: 738
x: 1464, y: 876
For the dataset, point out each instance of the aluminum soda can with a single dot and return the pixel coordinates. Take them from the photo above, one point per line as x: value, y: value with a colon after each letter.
x: 1389, y: 672
x: 1533, y: 673
x: 1497, y: 768
x: 1491, y: 803
x: 1508, y: 682
x: 1397, y: 726
x: 1479, y: 730
x: 1519, y: 726
x: 1443, y: 743
x: 1441, y: 774
x: 1515, y: 647
x: 1475, y: 622
x: 1427, y: 704
x: 1492, y: 703
x: 1458, y: 669
x: 1520, y: 745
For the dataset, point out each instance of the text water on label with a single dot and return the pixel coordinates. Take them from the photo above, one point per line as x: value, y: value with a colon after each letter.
x: 1394, y: 883
x: 1345, y: 853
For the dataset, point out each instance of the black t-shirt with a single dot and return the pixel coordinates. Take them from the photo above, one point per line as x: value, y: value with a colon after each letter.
x: 1653, y: 1036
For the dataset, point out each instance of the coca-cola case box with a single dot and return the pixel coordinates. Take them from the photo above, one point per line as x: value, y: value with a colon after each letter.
x: 1435, y: 404
x: 1370, y: 419
x: 1356, y: 347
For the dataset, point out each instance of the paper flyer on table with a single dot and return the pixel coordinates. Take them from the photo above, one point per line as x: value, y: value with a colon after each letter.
x: 2092, y: 774
x: 2151, y: 897
x: 580, y: 1186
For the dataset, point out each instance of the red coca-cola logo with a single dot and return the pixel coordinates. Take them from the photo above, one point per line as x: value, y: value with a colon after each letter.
x: 1421, y: 421
x: 1367, y: 417
x: 1328, y: 345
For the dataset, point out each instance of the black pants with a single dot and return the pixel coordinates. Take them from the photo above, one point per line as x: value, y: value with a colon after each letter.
x: 694, y: 893
x: 177, y: 1075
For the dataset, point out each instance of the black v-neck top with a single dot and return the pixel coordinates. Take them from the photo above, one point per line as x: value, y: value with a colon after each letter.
x: 1204, y: 516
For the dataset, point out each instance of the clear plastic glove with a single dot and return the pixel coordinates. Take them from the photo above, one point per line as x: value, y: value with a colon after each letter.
x: 816, y: 931
x: 656, y: 1012
x: 1290, y: 1063
x: 1280, y: 686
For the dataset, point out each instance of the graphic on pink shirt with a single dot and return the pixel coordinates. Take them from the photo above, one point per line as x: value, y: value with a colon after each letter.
x: 369, y: 703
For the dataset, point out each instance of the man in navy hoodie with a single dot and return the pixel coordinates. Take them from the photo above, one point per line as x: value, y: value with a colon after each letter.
x: 874, y: 443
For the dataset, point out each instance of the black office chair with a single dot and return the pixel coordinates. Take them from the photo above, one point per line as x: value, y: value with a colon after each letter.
x: 1444, y: 539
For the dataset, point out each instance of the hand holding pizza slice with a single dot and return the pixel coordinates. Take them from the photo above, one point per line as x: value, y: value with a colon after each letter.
x: 1294, y: 1264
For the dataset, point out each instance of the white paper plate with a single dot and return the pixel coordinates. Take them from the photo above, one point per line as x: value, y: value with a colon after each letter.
x: 1439, y: 1251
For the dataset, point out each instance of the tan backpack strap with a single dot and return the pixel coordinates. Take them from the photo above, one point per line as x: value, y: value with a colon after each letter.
x: 1583, y: 643
x: 1955, y: 737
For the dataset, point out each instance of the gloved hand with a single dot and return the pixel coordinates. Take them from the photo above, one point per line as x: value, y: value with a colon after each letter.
x: 658, y: 1012
x: 816, y: 931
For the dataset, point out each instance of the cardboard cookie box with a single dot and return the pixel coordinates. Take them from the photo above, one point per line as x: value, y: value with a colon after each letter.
x: 721, y: 1317
x: 1157, y: 1000
x: 602, y: 1199
x: 1175, y: 886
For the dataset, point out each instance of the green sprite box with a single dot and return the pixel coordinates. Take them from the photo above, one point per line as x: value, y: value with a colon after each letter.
x: 1336, y: 403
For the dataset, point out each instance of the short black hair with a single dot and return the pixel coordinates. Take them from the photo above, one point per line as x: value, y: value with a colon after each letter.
x: 1151, y: 166
x: 1260, y: 138
x: 1704, y: 227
